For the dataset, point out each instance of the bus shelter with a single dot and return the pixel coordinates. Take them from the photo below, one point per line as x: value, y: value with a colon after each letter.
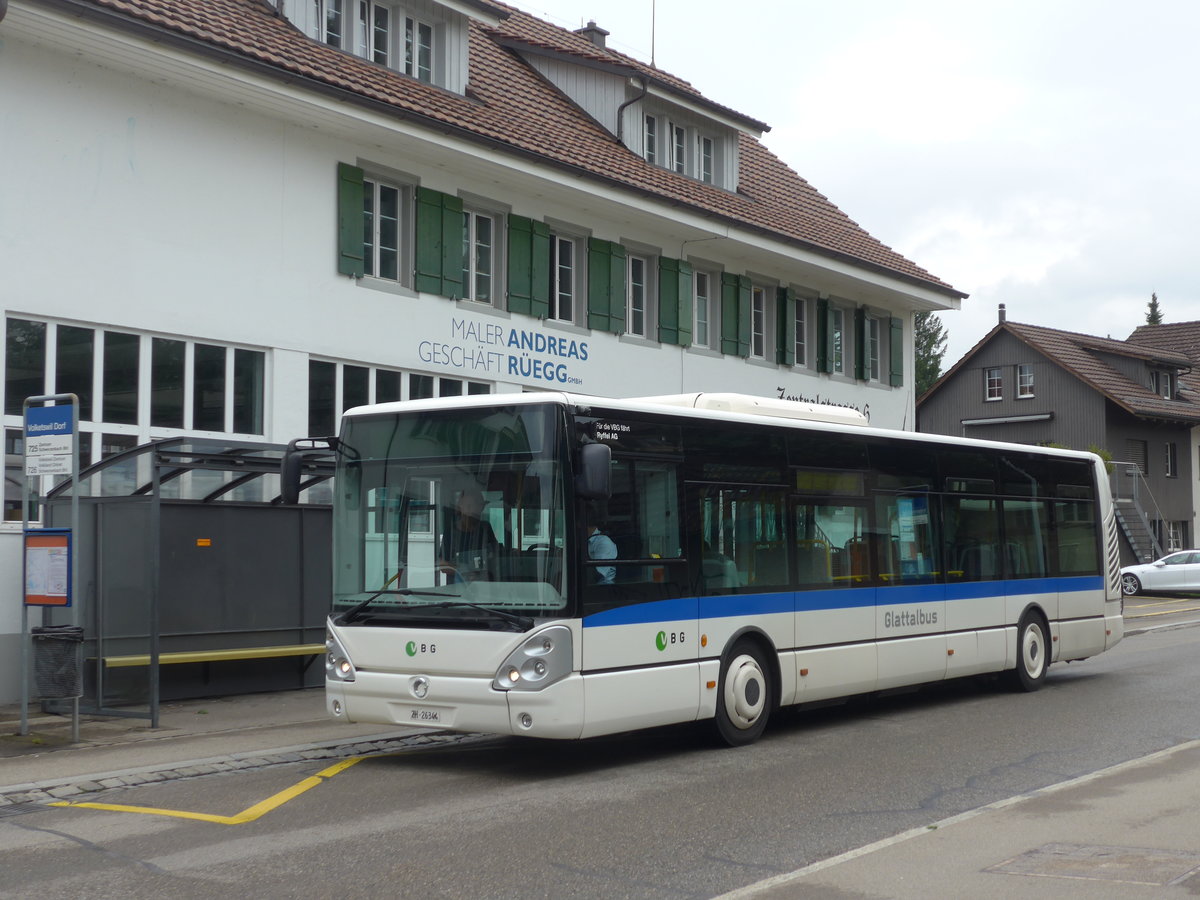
x: 195, y: 578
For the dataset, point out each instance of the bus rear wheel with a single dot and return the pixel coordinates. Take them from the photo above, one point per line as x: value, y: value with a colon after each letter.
x: 743, y: 695
x: 1033, y: 648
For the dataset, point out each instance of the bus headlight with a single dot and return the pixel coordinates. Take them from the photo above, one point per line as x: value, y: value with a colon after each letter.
x: 542, y: 659
x: 337, y: 662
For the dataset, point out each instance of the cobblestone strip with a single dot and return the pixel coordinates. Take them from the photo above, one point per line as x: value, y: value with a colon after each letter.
x: 64, y: 789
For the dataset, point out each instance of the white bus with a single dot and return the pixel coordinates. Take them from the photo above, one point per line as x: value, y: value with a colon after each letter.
x: 751, y: 554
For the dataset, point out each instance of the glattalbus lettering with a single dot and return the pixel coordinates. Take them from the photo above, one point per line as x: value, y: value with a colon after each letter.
x: 909, y: 618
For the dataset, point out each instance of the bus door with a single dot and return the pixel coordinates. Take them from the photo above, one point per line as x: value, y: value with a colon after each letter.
x: 640, y: 638
x: 835, y: 598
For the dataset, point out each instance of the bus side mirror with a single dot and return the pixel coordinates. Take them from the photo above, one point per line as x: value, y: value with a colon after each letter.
x: 296, y: 458
x: 593, y: 482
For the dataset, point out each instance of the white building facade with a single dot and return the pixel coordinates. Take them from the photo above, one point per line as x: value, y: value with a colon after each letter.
x: 232, y: 219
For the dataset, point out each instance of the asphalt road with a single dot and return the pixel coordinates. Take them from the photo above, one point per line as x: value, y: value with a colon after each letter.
x: 663, y: 814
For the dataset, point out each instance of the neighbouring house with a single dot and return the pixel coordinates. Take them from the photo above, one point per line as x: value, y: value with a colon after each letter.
x: 1136, y: 401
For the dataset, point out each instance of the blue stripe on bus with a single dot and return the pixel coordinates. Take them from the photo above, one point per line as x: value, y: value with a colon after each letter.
x: 717, y: 607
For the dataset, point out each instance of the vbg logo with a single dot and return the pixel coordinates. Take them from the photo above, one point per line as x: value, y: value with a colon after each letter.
x: 664, y: 638
x: 412, y: 648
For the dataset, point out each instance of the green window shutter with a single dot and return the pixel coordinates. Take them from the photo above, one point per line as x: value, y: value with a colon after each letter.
x: 452, y: 246
x: 745, y: 313
x: 520, y: 264
x: 896, y: 356
x: 606, y: 286
x: 528, y: 266
x: 860, y: 343
x: 684, y: 303
x: 539, y: 256
x: 785, y: 331
x: 729, y: 313
x: 674, y: 301
x: 823, y: 361
x: 350, y: 220
x: 439, y: 242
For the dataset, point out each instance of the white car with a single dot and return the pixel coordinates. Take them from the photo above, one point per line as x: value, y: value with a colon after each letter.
x: 1178, y: 571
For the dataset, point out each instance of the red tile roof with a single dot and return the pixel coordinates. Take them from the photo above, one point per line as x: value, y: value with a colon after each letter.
x: 1083, y: 356
x: 511, y: 107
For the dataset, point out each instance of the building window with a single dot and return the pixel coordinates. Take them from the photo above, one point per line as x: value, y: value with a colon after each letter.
x: 1175, y: 532
x: 374, y: 32
x: 758, y: 322
x: 801, y: 314
x: 562, y: 275
x: 479, y: 254
x: 1137, y: 452
x: 705, y: 160
x: 871, y: 348
x: 418, y: 49
x: 837, y: 340
x: 1171, y: 460
x: 382, y: 204
x: 678, y: 149
x: 192, y: 385
x: 635, y: 295
x: 650, y: 140
x: 334, y: 388
x: 1163, y: 384
x: 993, y: 380
x: 328, y: 14
x: 1024, y: 380
x: 701, y: 308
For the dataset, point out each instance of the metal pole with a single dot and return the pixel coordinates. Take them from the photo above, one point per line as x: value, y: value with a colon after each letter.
x: 155, y: 524
x: 76, y: 617
x: 26, y: 637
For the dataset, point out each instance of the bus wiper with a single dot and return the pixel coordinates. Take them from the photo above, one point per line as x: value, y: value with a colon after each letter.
x: 524, y: 623
x: 353, y: 612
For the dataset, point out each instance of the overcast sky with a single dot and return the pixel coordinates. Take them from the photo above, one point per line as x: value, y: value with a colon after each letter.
x: 1044, y: 154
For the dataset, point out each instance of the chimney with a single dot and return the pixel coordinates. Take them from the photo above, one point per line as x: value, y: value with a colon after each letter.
x: 594, y: 33
x: 1003, y: 314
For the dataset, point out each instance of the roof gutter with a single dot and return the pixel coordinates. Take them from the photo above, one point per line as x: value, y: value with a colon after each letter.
x: 122, y: 22
x: 629, y: 102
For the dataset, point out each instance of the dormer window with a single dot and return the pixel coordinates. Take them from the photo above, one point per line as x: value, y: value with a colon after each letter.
x: 1162, y: 382
x: 418, y: 49
x: 704, y: 159
x: 651, y: 140
x: 679, y: 146
x: 426, y: 40
x: 678, y: 149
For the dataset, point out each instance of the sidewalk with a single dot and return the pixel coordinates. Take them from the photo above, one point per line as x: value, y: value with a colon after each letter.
x: 1124, y: 833
x: 218, y: 733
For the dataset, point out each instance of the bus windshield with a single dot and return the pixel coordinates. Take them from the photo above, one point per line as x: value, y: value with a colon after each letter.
x: 451, y: 512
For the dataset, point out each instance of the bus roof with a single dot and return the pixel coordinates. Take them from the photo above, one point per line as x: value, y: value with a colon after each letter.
x: 727, y: 407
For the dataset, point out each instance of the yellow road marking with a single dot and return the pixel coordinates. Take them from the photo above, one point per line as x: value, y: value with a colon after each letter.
x: 1167, y: 612
x: 249, y: 814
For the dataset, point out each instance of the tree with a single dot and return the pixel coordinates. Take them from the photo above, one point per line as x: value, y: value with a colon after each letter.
x: 1154, y: 315
x: 929, y: 346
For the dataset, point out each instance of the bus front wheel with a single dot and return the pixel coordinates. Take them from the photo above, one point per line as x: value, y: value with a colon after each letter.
x: 743, y: 695
x: 1033, y: 649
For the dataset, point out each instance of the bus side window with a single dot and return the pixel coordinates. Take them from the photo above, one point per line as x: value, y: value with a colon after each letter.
x: 743, y: 538
x: 972, y: 539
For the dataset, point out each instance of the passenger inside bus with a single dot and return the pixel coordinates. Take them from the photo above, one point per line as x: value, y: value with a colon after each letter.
x: 601, y: 546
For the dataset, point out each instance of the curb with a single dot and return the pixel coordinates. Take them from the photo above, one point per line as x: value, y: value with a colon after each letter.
x: 41, y: 792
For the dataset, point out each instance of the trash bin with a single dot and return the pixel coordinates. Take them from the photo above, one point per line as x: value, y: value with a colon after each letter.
x: 57, y: 662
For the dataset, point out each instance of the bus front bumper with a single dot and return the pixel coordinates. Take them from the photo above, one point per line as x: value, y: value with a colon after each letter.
x: 455, y: 703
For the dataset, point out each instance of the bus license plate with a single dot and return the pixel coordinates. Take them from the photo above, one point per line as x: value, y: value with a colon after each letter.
x: 425, y: 715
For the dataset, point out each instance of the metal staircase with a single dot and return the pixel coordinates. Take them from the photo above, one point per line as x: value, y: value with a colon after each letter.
x: 1129, y: 486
